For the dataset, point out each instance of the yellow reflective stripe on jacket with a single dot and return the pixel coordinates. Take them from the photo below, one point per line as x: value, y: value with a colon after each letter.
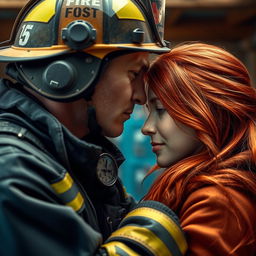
x: 63, y: 185
x: 77, y: 203
x: 165, y: 221
x: 115, y: 248
x: 145, y: 237
x: 68, y: 192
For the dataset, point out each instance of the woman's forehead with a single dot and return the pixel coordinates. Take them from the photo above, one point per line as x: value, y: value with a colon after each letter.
x: 151, y: 97
x: 150, y: 94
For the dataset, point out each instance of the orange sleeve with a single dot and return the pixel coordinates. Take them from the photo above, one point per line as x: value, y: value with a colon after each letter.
x: 211, y: 227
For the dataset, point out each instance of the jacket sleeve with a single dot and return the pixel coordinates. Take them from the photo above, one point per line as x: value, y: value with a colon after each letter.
x: 151, y: 229
x: 34, y: 222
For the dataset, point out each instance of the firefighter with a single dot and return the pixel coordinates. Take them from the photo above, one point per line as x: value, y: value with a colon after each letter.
x: 76, y: 70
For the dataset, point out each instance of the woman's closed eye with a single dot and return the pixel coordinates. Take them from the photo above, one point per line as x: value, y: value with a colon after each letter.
x: 160, y: 110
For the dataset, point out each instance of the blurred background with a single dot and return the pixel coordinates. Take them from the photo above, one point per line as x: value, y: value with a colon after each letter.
x: 228, y: 23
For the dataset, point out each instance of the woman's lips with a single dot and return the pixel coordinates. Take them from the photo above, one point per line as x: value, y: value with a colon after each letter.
x: 156, y: 146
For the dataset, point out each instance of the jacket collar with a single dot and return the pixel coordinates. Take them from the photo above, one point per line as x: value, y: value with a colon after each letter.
x: 63, y: 144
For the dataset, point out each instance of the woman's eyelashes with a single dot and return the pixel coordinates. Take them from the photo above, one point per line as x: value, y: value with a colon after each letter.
x: 156, y: 106
x: 159, y: 108
x: 160, y: 112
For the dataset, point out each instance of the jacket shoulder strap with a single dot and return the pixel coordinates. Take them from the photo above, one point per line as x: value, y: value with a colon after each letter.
x: 21, y: 133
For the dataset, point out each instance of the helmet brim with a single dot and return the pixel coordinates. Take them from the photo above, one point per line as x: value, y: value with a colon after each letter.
x: 16, y: 54
x: 152, y: 48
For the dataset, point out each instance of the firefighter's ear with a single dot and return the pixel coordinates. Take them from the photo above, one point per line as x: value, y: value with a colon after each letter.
x: 62, y: 78
x: 59, y: 75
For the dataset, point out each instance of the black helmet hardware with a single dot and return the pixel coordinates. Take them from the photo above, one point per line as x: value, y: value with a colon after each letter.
x: 58, y: 47
x: 79, y: 35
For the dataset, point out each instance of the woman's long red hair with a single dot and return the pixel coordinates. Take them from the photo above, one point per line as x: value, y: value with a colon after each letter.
x: 208, y: 89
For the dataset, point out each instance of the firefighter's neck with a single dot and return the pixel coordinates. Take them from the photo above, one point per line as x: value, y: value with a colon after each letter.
x: 73, y: 115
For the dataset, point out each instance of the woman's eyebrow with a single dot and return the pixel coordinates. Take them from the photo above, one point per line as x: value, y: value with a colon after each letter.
x: 153, y: 99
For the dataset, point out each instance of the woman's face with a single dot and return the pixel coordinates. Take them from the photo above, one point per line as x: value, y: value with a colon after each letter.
x: 171, y: 141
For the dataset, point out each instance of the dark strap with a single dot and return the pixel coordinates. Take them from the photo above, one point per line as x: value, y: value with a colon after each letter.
x: 10, y: 128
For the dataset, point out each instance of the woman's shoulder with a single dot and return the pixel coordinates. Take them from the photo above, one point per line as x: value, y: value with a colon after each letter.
x: 213, y: 201
x: 212, y: 218
x: 212, y: 192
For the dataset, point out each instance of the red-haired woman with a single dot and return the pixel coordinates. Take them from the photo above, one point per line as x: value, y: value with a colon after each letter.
x: 202, y: 124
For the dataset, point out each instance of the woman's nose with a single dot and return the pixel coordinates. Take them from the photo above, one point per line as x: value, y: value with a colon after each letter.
x: 148, y: 127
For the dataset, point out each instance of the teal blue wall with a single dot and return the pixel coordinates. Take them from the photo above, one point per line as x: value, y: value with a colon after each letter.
x: 139, y: 157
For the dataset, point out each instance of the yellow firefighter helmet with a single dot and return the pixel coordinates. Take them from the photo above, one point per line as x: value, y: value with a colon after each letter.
x: 52, y: 39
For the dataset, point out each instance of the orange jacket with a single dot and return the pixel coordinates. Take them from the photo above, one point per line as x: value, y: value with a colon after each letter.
x: 211, y: 227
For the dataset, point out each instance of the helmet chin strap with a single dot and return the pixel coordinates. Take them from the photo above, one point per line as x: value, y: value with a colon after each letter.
x: 94, y: 127
x: 11, y: 71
